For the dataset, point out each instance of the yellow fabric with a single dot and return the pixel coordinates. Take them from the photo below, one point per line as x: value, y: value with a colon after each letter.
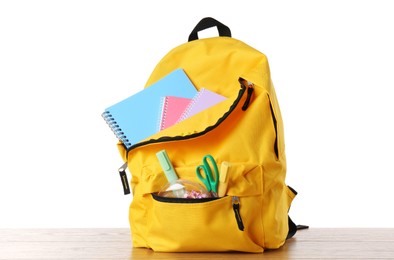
x: 246, y: 139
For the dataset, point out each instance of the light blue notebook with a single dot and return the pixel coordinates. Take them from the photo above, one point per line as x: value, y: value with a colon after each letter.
x: 136, y: 117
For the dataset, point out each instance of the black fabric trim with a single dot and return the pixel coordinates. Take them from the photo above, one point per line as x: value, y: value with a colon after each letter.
x: 276, y: 149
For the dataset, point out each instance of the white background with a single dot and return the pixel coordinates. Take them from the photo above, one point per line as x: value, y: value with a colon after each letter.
x: 63, y: 62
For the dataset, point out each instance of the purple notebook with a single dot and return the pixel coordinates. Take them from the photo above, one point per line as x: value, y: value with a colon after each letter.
x: 201, y: 101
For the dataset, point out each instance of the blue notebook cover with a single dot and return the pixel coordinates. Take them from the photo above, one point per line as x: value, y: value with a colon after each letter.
x: 136, y: 117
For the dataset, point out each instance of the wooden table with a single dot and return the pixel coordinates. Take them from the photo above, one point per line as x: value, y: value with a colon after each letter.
x: 315, y: 243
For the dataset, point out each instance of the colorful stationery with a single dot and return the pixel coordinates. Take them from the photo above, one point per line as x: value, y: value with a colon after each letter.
x: 202, y: 100
x: 171, y: 109
x: 136, y: 117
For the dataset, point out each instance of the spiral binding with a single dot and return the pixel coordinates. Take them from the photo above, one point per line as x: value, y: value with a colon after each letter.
x: 115, y: 128
x: 186, y: 113
x: 162, y: 113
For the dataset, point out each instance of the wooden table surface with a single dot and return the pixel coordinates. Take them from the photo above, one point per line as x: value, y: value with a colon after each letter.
x: 315, y: 243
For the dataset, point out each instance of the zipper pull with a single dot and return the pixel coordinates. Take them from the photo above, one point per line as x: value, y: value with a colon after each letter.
x: 249, y: 96
x: 235, y: 200
x: 123, y: 178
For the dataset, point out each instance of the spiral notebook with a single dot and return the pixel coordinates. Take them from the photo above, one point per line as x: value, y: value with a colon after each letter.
x: 204, y: 99
x: 171, y: 109
x: 135, y: 118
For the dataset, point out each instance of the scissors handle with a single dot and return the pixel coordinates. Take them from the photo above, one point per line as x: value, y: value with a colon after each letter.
x: 210, y: 181
x: 214, y: 180
x: 202, y: 179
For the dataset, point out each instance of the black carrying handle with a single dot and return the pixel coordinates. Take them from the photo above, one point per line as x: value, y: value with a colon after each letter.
x: 206, y: 23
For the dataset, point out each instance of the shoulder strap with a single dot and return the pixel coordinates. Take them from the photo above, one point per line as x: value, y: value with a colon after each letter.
x: 293, y: 228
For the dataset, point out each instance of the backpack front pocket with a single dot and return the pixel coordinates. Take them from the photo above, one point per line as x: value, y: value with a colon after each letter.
x: 199, y: 226
x: 230, y: 223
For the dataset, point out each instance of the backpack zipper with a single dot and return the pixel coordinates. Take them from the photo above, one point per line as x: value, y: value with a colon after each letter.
x: 181, y: 200
x: 241, y: 92
x: 123, y: 178
x: 249, y: 96
x: 236, y: 203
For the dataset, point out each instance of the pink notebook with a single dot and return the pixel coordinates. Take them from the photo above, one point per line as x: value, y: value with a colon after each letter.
x: 171, y: 109
x: 201, y: 101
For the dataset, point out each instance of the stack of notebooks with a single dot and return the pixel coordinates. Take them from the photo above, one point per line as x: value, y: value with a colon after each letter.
x: 169, y: 101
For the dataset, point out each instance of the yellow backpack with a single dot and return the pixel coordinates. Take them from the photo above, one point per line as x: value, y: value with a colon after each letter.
x: 245, y: 130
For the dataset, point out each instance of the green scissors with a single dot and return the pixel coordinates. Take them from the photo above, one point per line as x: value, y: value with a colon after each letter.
x: 210, y: 181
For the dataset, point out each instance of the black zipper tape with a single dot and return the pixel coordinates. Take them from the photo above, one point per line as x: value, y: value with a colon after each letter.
x: 181, y: 200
